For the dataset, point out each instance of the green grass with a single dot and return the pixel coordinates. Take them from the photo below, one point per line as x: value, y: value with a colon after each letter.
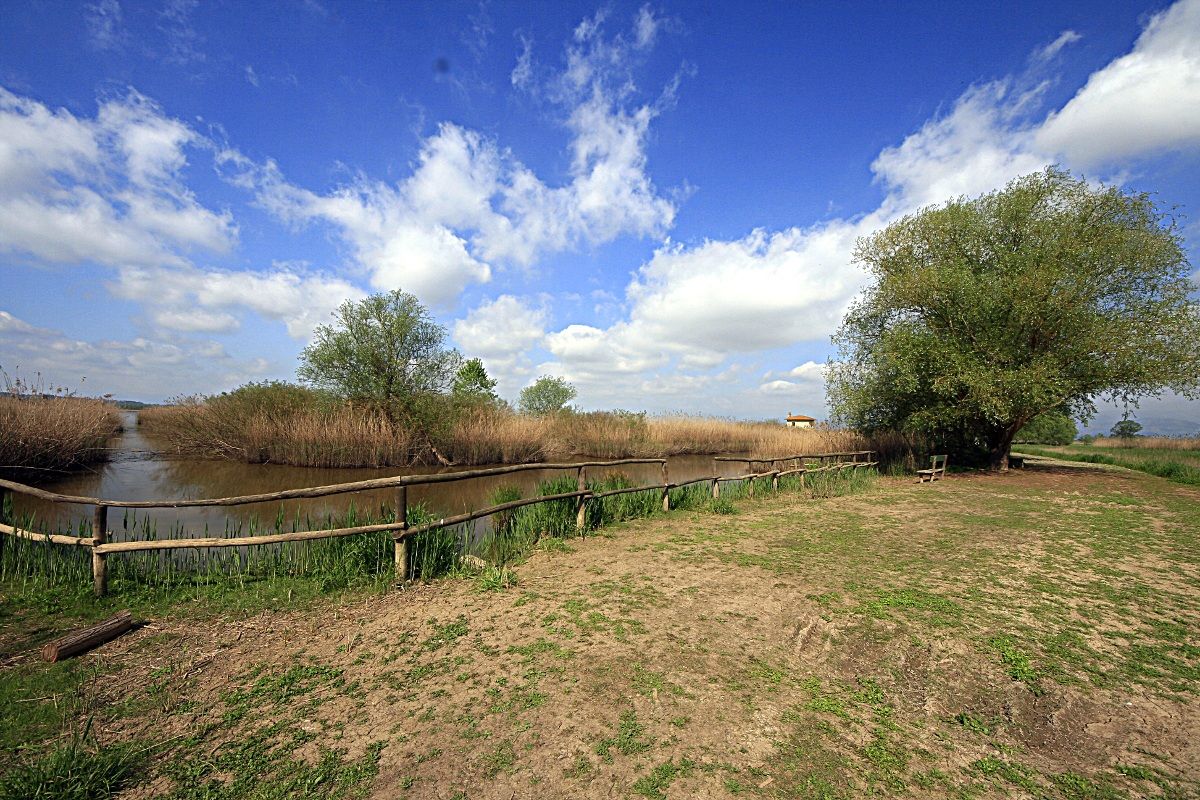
x: 1179, y: 466
x: 74, y: 771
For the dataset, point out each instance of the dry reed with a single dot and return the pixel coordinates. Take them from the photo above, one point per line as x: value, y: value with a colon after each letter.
x: 1150, y: 442
x: 50, y: 433
x: 345, y: 436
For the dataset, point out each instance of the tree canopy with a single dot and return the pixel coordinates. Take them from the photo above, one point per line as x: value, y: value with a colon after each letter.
x: 1126, y: 429
x: 546, y: 395
x: 986, y: 312
x: 473, y: 385
x: 384, y: 350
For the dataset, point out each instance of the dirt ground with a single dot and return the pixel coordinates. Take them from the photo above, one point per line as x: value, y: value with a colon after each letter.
x: 1024, y: 635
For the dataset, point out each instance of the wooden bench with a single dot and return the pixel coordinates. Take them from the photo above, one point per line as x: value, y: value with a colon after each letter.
x: 937, y: 469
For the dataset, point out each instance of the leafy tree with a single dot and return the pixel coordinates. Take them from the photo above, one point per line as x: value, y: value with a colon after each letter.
x: 1126, y: 428
x: 1053, y: 427
x: 987, y: 312
x: 385, y: 351
x: 546, y: 395
x: 472, y: 384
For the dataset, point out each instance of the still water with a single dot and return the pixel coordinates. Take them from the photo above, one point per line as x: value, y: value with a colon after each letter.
x: 139, y: 470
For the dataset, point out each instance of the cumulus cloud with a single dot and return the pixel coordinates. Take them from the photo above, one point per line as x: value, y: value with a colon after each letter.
x: 470, y: 203
x: 500, y: 332
x: 1143, y: 102
x: 696, y: 306
x: 192, y: 300
x: 107, y: 190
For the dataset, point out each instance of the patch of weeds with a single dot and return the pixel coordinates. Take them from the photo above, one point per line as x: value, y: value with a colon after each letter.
x: 973, y: 723
x: 1077, y: 787
x: 1016, y: 774
x: 499, y: 760
x: 1017, y: 664
x: 722, y: 505
x: 73, y: 772
x: 655, y: 785
x: 941, y: 610
x: 582, y: 766
x: 495, y: 579
x: 447, y: 633
x: 628, y: 740
x: 762, y: 672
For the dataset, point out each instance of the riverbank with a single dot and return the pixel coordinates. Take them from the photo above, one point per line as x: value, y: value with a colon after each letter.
x: 910, y: 641
x: 304, y: 434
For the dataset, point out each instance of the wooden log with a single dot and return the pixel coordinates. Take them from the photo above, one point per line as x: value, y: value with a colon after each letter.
x: 316, y: 491
x: 627, y: 490
x: 99, y: 559
x: 242, y: 541
x: 56, y: 538
x: 401, y: 544
x: 82, y: 640
x: 446, y: 522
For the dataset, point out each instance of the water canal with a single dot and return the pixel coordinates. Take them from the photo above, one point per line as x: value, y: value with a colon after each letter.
x: 140, y: 470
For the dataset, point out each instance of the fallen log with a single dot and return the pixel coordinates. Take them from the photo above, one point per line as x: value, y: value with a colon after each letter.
x: 80, y: 641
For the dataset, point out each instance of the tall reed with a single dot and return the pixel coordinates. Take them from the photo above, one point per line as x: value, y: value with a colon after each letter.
x: 41, y: 433
x: 312, y: 430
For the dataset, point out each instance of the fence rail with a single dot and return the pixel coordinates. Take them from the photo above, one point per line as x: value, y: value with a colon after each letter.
x: 400, y: 530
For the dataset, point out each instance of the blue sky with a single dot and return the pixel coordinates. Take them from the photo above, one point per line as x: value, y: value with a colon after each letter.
x: 656, y: 201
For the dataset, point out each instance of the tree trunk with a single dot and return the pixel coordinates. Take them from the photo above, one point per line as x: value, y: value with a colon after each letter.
x: 998, y: 449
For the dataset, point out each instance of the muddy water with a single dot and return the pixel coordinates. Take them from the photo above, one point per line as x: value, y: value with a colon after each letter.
x: 138, y: 470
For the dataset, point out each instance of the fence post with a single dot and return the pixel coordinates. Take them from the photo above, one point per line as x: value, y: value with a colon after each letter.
x: 3, y: 521
x: 750, y: 481
x: 401, y: 545
x: 581, y: 503
x: 774, y: 477
x: 666, y: 492
x: 716, y: 487
x: 99, y: 560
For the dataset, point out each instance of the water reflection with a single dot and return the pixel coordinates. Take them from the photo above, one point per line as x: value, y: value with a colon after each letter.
x: 139, y: 471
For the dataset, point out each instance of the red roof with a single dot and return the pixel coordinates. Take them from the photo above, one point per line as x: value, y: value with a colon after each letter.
x: 800, y: 418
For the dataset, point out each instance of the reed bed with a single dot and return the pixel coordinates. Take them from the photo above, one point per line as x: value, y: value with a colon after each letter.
x: 340, y: 435
x: 41, y: 433
x: 1149, y: 442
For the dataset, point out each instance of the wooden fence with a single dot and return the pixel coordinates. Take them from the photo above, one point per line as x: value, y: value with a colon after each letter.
x: 101, y: 546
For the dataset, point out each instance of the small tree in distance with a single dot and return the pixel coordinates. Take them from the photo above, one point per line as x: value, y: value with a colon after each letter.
x: 1126, y: 428
x: 473, y: 385
x: 546, y: 395
x: 987, y: 312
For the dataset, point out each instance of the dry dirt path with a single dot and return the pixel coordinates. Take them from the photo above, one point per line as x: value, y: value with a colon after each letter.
x: 1027, y: 635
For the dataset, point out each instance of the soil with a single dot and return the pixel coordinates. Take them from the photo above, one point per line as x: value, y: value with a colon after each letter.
x: 844, y: 645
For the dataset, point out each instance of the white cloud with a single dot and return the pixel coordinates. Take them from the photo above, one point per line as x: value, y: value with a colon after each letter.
x: 469, y: 203
x: 142, y: 367
x: 1143, y: 102
x: 698, y: 306
x: 193, y: 300
x: 105, y: 25
x: 1067, y: 37
x: 500, y: 332
x: 107, y: 190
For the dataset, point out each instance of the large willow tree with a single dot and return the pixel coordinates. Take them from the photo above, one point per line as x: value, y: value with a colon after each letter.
x: 986, y: 312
